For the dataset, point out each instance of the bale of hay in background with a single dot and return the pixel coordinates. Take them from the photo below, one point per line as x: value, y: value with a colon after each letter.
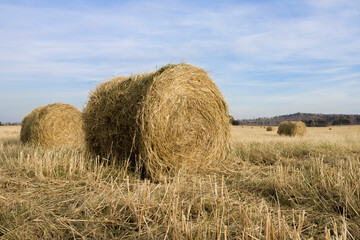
x: 173, y: 118
x: 269, y: 129
x: 292, y: 128
x: 53, y: 125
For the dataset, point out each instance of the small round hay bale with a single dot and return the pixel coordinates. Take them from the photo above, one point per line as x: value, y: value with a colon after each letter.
x: 292, y: 128
x: 269, y: 128
x: 53, y: 125
x: 330, y: 128
x: 173, y: 118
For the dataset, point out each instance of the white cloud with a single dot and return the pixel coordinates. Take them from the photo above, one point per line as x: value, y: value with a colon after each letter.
x: 250, y: 45
x: 331, y: 4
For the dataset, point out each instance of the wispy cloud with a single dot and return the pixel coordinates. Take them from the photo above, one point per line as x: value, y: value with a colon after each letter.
x: 253, y: 47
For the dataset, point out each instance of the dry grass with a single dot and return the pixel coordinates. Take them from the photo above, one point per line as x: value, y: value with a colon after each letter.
x: 53, y: 125
x: 272, y: 187
x: 162, y: 121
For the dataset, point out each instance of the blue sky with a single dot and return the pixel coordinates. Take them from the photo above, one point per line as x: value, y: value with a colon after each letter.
x: 268, y: 57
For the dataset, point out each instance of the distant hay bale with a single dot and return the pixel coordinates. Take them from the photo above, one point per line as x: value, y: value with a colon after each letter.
x: 292, y: 128
x: 269, y: 128
x: 330, y: 128
x: 53, y: 125
x: 160, y: 121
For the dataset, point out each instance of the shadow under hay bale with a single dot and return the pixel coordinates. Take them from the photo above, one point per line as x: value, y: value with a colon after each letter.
x: 292, y: 128
x: 161, y: 121
x: 269, y: 128
x: 53, y: 125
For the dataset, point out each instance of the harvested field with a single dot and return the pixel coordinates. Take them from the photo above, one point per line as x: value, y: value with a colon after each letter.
x: 271, y: 187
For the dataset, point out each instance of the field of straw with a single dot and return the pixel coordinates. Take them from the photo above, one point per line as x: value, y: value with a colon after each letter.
x: 270, y: 187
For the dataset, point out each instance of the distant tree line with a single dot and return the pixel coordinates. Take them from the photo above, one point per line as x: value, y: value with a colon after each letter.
x: 233, y: 121
x: 342, y: 122
x: 310, y: 120
x: 9, y: 124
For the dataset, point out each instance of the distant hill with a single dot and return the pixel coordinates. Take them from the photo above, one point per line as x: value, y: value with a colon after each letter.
x: 310, y: 119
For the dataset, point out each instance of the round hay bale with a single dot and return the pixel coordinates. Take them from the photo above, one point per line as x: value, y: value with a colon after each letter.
x: 292, y: 128
x: 53, y: 125
x: 269, y: 128
x: 173, y: 118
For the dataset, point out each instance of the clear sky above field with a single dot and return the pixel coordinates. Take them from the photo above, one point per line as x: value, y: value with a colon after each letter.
x: 268, y: 57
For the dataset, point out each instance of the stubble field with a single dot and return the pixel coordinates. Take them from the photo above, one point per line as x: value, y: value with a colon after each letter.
x: 271, y: 187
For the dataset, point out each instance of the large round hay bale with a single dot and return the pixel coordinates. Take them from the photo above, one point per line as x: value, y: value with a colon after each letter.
x: 269, y: 128
x: 53, y: 125
x: 292, y: 128
x: 173, y: 118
